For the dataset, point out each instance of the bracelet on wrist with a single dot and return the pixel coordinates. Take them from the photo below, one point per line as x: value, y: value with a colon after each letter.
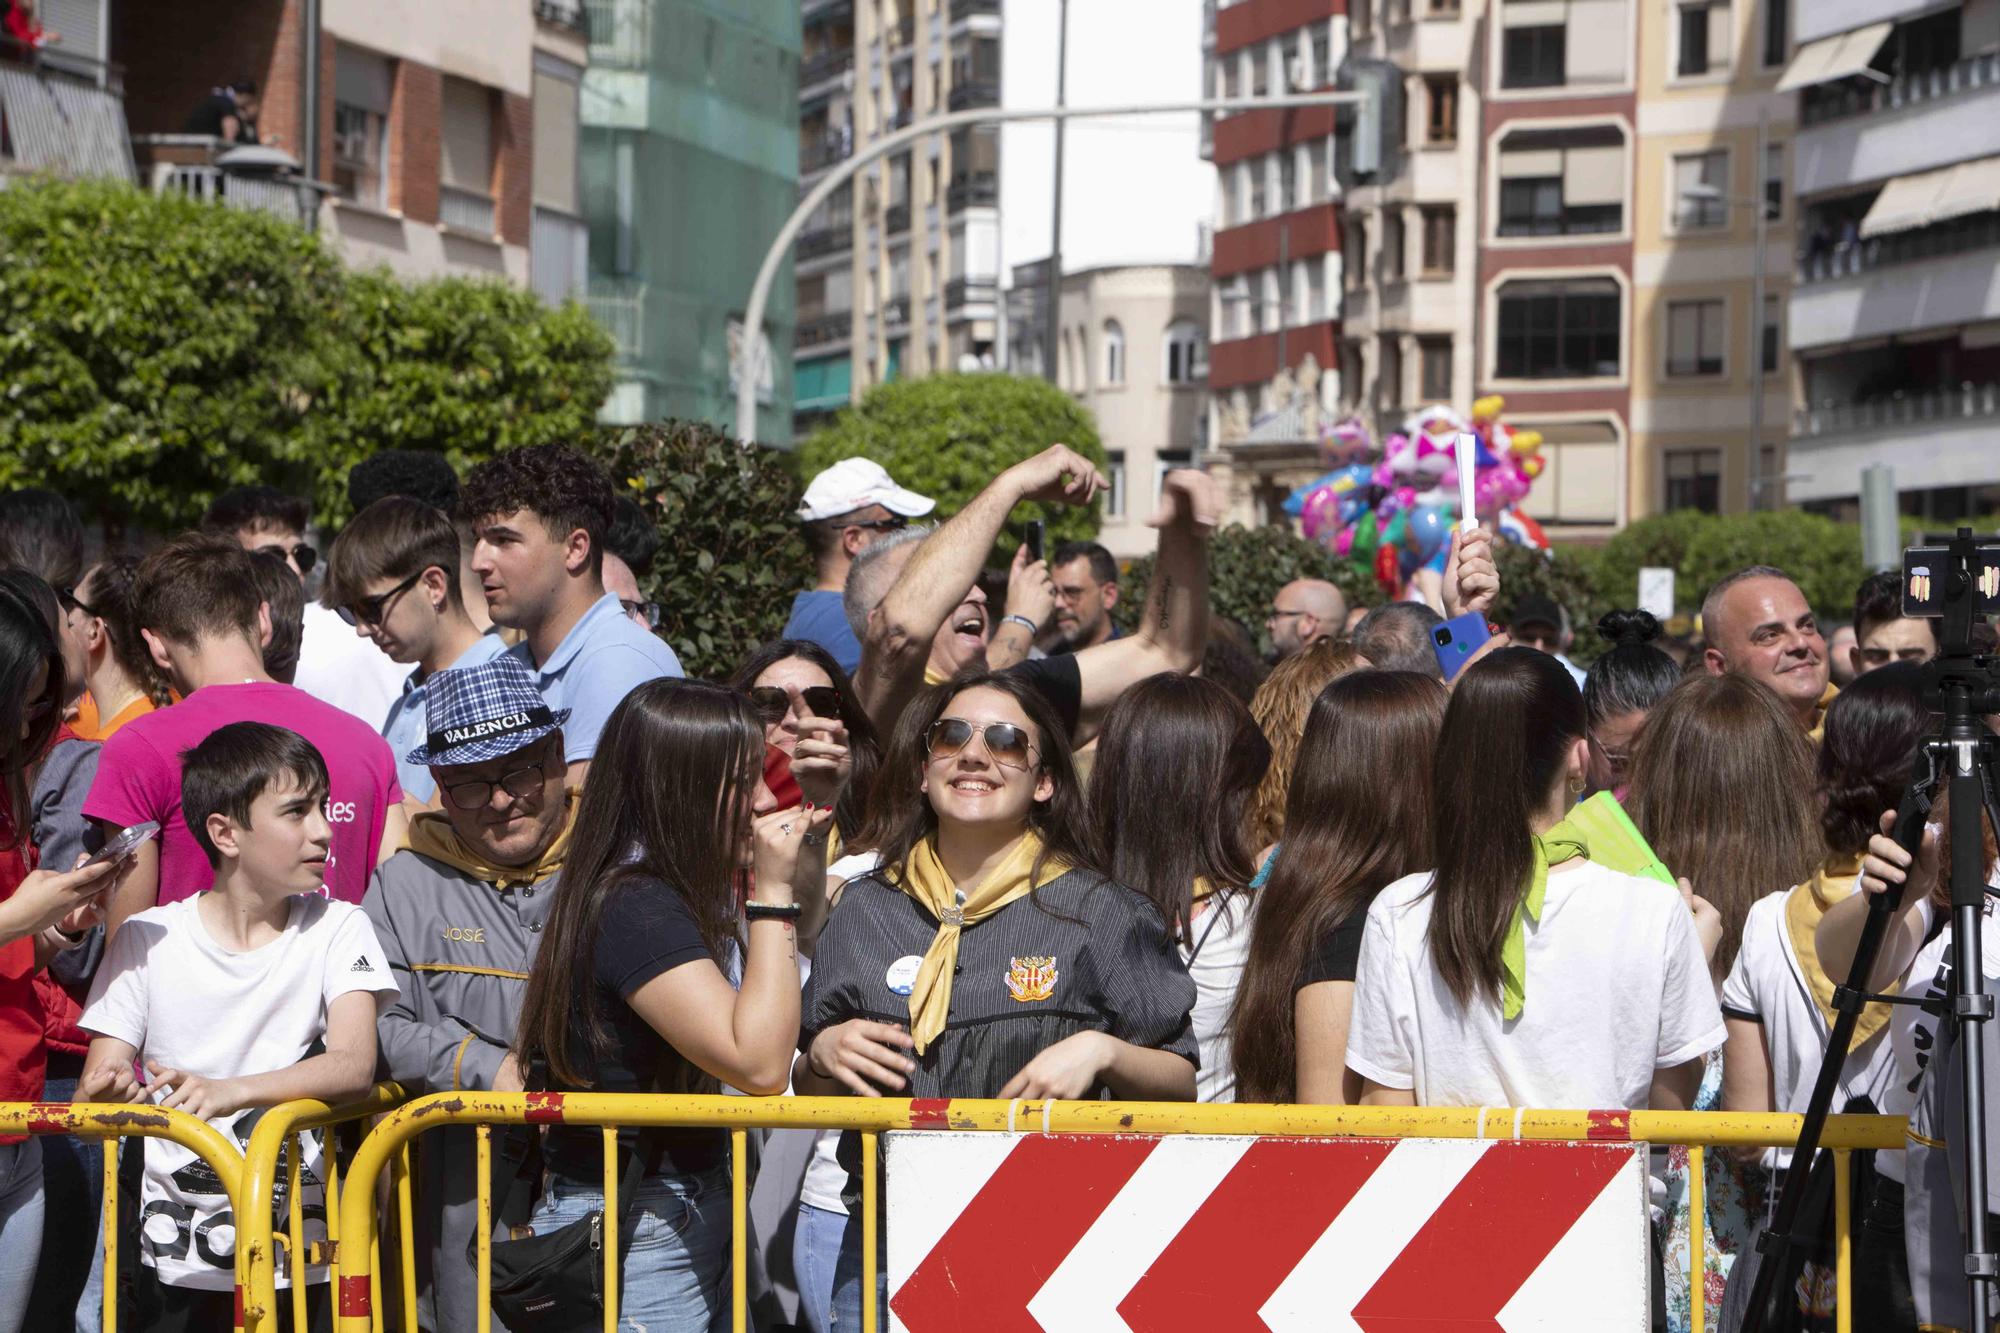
x: 756, y: 911
x: 1025, y: 623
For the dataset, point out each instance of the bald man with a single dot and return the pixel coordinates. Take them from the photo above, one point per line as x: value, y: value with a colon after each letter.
x: 1758, y: 624
x: 1304, y: 611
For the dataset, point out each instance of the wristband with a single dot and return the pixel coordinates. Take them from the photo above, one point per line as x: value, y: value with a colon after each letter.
x: 772, y: 911
x: 1025, y: 623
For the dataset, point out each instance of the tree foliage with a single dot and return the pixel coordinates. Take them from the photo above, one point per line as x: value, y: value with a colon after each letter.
x: 1246, y: 567
x: 731, y: 554
x: 157, y: 350
x: 947, y: 436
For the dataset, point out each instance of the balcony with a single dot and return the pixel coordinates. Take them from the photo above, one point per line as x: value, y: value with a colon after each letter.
x: 621, y: 33
x: 827, y: 64
x: 1956, y: 237
x: 825, y: 240
x: 981, y: 191
x: 567, y: 14
x: 1934, y: 437
x: 979, y: 93
x: 896, y: 311
x: 64, y: 115
x: 558, y: 255
x: 619, y: 306
x: 896, y: 219
x: 256, y: 179
x: 1852, y: 135
x: 822, y: 330
x: 965, y: 9
x: 466, y: 210
x: 817, y: 152
x: 826, y: 11
x: 961, y: 292
x: 1882, y: 300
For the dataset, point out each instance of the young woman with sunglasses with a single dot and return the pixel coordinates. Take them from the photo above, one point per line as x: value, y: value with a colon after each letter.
x: 805, y: 725
x: 989, y: 957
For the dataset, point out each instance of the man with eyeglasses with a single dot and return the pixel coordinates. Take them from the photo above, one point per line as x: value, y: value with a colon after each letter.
x: 1304, y: 612
x: 847, y: 508
x: 459, y: 913
x: 393, y: 576
x: 334, y: 666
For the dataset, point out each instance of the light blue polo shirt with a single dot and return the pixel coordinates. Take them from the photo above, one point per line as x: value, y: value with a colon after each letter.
x: 603, y: 658
x: 408, y: 726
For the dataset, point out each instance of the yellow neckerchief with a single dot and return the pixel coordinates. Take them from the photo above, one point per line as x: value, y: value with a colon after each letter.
x: 932, y: 676
x: 1205, y: 888
x: 1818, y: 731
x: 1803, y: 908
x: 923, y: 876
x: 1561, y: 843
x: 432, y: 835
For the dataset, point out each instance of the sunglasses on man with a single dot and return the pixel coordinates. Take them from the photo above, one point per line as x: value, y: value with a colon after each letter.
x: 301, y: 555
x: 369, y: 611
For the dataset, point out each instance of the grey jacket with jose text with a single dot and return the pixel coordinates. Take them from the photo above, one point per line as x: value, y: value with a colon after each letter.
x: 460, y: 950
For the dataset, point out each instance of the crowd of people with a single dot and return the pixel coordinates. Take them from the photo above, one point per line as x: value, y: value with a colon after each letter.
x: 457, y: 819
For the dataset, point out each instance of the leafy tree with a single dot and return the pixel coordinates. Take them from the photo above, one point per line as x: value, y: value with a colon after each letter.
x: 947, y: 436
x: 731, y: 554
x: 1246, y: 567
x: 157, y: 350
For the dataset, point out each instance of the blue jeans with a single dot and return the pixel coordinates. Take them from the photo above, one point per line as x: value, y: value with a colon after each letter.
x: 847, y: 1283
x: 20, y: 1228
x: 815, y: 1253
x: 674, y: 1272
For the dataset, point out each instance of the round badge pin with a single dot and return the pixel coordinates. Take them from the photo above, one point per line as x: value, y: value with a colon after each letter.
x: 902, y: 974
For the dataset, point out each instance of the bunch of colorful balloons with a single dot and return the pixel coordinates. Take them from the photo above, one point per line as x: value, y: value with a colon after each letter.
x: 1392, y: 510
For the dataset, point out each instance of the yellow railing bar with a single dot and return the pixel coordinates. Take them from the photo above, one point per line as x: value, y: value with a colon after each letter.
x: 256, y: 1258
x: 1843, y: 1243
x: 739, y: 1231
x: 399, y: 1173
x: 871, y: 1222
x: 1698, y: 1238
x: 611, y: 1228
x: 484, y: 1168
x: 110, y: 1219
x: 296, y: 1234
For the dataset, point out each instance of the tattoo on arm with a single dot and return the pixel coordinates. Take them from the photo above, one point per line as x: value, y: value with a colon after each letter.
x: 1166, y: 602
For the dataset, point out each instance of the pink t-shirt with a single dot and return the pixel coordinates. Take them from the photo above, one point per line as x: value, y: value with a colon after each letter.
x: 139, y: 778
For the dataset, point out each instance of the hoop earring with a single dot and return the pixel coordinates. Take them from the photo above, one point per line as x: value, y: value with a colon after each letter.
x: 1575, y: 784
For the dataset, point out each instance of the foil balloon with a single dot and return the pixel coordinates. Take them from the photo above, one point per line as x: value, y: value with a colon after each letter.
x: 1427, y: 531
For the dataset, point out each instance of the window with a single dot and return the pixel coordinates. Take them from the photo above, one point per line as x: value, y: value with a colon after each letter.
x: 1562, y: 182
x: 1260, y: 74
x: 1255, y: 170
x: 1354, y: 253
x: 1441, y: 108
x: 1696, y: 335
x: 1322, y: 54
x: 1275, y: 300
x: 1114, y: 352
x: 1700, y: 182
x: 1315, y: 297
x: 556, y: 113
x: 1559, y: 330
x: 1360, y: 19
x: 1392, y: 248
x: 1768, y: 334
x: 1694, y: 479
x: 467, y: 143
x: 1704, y: 32
x: 1350, y: 373
x: 1434, y: 369
x: 1187, y: 353
x: 1114, y: 498
x: 361, y: 91
x: 1440, y: 223
x: 1389, y: 380
x: 1532, y: 57
x: 1777, y: 40
x: 1582, y: 481
x: 1288, y: 181
x: 1774, y: 180
x: 1168, y: 460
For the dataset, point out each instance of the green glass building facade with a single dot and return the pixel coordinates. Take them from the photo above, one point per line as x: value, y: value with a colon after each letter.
x: 689, y: 158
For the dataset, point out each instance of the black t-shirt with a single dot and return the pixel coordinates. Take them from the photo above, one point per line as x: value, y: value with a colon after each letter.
x: 1060, y: 682
x: 1337, y: 955
x: 644, y: 931
x: 208, y: 115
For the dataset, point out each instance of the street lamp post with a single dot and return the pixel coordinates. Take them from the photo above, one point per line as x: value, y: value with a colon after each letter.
x: 781, y: 244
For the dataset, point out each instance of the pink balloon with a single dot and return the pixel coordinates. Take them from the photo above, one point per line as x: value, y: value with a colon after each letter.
x: 1343, y: 542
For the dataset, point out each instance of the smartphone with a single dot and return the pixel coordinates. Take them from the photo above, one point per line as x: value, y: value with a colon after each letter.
x: 123, y: 843
x: 1037, y: 534
x: 1457, y: 640
x: 778, y: 777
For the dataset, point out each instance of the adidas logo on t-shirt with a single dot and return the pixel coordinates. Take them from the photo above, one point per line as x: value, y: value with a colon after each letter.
x: 362, y: 965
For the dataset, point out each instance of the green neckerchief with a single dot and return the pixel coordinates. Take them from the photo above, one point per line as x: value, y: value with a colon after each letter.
x: 1561, y: 843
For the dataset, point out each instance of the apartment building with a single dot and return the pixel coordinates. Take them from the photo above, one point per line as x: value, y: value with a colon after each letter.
x: 1894, y: 317
x: 897, y: 273
x: 690, y: 157
x: 440, y: 139
x: 1132, y: 348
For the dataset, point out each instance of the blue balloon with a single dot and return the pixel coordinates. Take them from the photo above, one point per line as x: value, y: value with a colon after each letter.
x: 1429, y: 531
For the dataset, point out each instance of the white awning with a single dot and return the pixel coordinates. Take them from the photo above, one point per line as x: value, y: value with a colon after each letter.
x: 1909, y: 202
x: 1834, y: 57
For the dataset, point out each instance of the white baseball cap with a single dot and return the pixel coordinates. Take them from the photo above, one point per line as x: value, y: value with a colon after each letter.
x: 856, y: 483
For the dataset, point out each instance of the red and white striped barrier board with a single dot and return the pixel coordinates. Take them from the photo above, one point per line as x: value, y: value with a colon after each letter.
x: 1035, y: 1233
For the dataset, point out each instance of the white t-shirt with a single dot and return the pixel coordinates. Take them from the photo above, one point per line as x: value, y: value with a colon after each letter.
x: 1767, y: 985
x: 184, y: 1001
x: 1215, y: 962
x: 1616, y: 989
x: 339, y: 667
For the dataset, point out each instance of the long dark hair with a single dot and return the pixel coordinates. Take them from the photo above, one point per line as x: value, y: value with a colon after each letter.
x: 29, y: 614
x: 1868, y: 753
x: 667, y: 801
x: 906, y: 817
x: 1722, y: 787
x: 850, y: 810
x: 1633, y: 675
x: 1506, y: 736
x: 1178, y: 762
x: 1359, y: 816
x: 111, y: 584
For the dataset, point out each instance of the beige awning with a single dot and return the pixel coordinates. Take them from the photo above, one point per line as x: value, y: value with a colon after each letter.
x: 1909, y: 202
x: 1834, y: 57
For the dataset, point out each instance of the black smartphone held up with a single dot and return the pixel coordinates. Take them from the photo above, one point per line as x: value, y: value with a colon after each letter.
x: 123, y: 843
x: 1037, y: 533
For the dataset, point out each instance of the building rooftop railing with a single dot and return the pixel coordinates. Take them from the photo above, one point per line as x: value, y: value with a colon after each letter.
x: 1963, y: 402
x: 1860, y: 97
x: 1849, y: 259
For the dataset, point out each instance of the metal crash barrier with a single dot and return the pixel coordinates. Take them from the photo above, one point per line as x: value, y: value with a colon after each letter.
x: 1126, y: 1133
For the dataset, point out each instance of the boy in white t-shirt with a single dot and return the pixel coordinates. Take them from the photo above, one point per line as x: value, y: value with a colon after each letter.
x: 224, y: 997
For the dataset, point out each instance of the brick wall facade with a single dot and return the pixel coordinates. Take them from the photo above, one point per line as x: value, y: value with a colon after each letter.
x: 414, y: 128
x: 514, y: 167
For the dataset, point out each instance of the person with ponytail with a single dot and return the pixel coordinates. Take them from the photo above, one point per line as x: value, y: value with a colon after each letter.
x: 989, y: 956
x: 1367, y: 750
x: 631, y: 990
x: 1178, y: 762
x: 1517, y: 972
x: 1623, y: 686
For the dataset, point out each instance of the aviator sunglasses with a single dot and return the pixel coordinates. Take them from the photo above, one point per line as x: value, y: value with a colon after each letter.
x: 1007, y: 743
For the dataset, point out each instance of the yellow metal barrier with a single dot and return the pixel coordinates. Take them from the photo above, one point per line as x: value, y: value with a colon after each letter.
x: 358, y: 1308
x: 111, y: 1121
x: 276, y: 1140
